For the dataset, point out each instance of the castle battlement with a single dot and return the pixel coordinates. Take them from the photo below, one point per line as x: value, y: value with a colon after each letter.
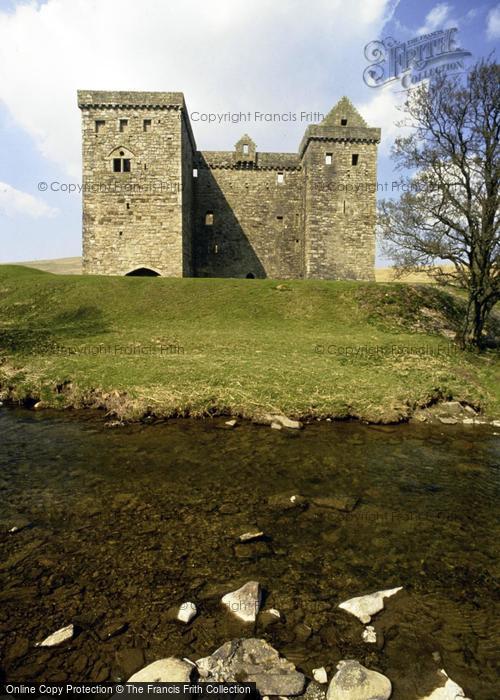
x: 161, y: 206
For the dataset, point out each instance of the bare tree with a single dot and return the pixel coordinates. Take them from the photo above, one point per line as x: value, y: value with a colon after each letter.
x: 446, y: 220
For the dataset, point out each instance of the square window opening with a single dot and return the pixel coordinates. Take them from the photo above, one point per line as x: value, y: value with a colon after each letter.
x: 146, y: 125
x: 123, y: 124
x: 280, y: 178
x: 328, y: 158
x: 343, y: 122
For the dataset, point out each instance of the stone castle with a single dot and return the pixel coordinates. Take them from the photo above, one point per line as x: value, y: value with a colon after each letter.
x: 155, y: 205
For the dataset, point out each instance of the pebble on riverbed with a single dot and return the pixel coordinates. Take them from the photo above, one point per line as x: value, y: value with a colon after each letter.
x: 369, y: 635
x: 244, y: 603
x: 62, y: 635
x: 251, y: 535
x: 279, y: 421
x: 257, y: 662
x: 186, y: 612
x: 355, y: 682
x: 449, y: 691
x: 169, y: 670
x: 320, y: 675
x: 363, y: 607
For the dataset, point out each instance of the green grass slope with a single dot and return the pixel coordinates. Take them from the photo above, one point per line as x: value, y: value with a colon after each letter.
x: 242, y: 347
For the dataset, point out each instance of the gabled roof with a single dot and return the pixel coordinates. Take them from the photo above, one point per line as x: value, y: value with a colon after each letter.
x: 344, y: 109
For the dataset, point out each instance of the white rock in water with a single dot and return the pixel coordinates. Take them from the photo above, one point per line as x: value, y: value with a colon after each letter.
x: 276, y: 426
x: 251, y: 535
x: 62, y: 635
x: 449, y: 691
x: 319, y: 675
x: 369, y: 635
x: 169, y: 670
x: 186, y: 612
x: 245, y: 602
x: 355, y: 682
x: 286, y: 422
x: 231, y: 423
x: 363, y: 607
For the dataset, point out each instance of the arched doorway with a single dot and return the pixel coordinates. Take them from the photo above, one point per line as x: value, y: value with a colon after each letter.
x: 142, y: 272
x: 250, y: 276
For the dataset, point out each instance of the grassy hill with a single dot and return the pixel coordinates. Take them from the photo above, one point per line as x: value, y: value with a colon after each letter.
x: 73, y: 266
x: 199, y: 346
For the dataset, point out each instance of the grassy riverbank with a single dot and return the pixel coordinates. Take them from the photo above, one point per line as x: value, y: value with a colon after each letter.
x: 198, y: 346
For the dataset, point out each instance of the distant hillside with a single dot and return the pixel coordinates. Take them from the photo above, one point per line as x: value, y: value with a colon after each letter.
x: 73, y: 266
x: 58, y: 266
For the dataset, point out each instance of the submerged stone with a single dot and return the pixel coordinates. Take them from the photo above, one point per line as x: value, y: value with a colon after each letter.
x: 62, y: 635
x: 363, y: 607
x: 245, y: 601
x: 355, y: 682
x: 252, y: 661
x: 369, y: 635
x: 320, y: 675
x: 341, y: 502
x: 449, y: 691
x: 169, y: 670
x: 186, y: 612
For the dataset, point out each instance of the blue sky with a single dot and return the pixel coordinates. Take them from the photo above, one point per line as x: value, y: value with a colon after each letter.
x: 225, y: 55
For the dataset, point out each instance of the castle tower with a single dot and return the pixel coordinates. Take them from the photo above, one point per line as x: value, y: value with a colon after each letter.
x: 339, y: 160
x: 137, y: 183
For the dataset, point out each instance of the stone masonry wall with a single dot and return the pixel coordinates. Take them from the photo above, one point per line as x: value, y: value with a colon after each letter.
x: 132, y: 219
x: 257, y: 222
x: 340, y: 210
x: 178, y: 212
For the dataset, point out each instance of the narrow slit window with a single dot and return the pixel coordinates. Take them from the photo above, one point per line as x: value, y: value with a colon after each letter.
x: 146, y: 125
x: 126, y: 165
x: 355, y: 157
x: 209, y: 218
x: 117, y: 165
x: 280, y: 219
x: 195, y: 172
x: 99, y: 125
x: 245, y: 149
x: 328, y: 158
x: 280, y: 178
x: 343, y: 122
x: 123, y: 124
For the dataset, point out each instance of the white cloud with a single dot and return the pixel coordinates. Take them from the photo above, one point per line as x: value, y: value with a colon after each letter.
x: 382, y: 111
x: 493, y: 23
x: 437, y: 18
x: 15, y: 203
x: 223, y: 54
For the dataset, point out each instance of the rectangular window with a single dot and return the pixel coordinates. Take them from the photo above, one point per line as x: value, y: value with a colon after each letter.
x: 209, y: 218
x: 126, y: 165
x: 146, y: 125
x: 343, y: 122
x: 117, y: 163
x: 195, y: 172
x: 280, y: 219
x: 245, y: 149
x: 99, y: 125
x: 123, y: 124
x: 328, y: 158
x: 280, y: 178
x: 354, y: 160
